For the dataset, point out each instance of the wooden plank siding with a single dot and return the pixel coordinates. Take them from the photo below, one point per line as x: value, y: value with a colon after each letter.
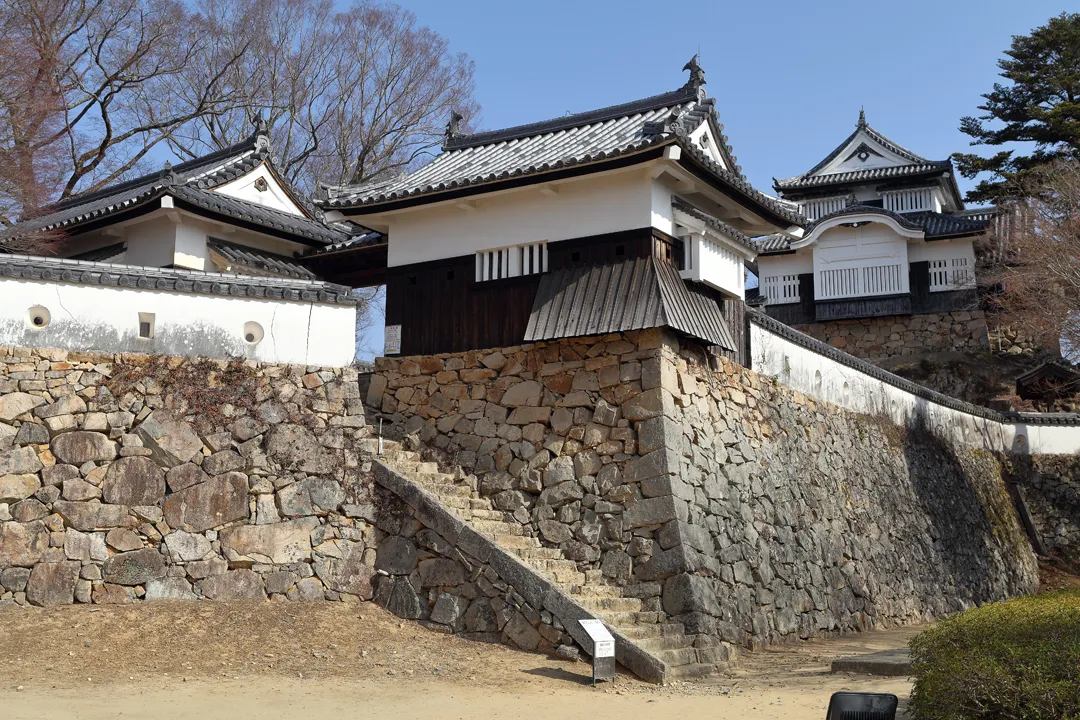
x: 442, y: 308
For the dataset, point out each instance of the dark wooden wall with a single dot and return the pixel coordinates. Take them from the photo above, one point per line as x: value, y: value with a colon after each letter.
x: 442, y: 308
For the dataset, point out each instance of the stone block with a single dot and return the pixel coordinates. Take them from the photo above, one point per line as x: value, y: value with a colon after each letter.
x: 650, y: 511
x: 279, y: 544
x: 172, y: 440
x: 184, y: 476
x: 22, y: 544
x: 441, y: 572
x: 21, y: 461
x: 525, y: 393
x: 77, y: 490
x: 223, y: 462
x: 521, y: 633
x: 403, y: 601
x: 171, y: 588
x: 233, y: 585
x: 52, y: 584
x: 686, y: 593
x: 134, y: 568
x: 210, y: 504
x: 529, y: 415
x: 18, y: 487
x: 88, y: 516
x: 80, y: 447
x: 649, y: 404
x: 396, y: 555
x: 15, y: 404
x: 134, y: 481
x: 449, y: 609
x: 188, y: 547
x: 32, y: 434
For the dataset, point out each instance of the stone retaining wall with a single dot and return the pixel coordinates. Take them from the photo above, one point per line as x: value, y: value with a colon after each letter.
x: 737, y: 506
x: 1050, y: 488
x: 110, y: 498
x: 556, y: 430
x: 884, y: 337
x: 795, y: 518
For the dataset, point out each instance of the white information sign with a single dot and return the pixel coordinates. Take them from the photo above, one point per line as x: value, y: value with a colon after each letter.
x: 392, y: 340
x: 603, y: 642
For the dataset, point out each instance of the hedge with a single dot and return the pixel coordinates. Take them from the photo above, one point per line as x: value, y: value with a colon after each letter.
x: 1014, y: 659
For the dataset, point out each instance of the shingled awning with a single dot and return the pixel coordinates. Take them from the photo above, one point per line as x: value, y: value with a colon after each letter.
x: 634, y: 294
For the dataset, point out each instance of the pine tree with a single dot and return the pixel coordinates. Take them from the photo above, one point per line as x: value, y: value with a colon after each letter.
x: 1040, y: 106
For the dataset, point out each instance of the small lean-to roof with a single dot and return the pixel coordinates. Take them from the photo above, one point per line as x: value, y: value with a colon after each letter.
x: 243, y: 257
x: 633, y: 294
x: 716, y: 223
x: 193, y: 182
x: 582, y: 139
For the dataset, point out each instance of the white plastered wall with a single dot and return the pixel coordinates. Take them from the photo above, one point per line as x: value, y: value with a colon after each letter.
x: 943, y: 250
x: 829, y: 381
x: 94, y: 317
x: 578, y: 208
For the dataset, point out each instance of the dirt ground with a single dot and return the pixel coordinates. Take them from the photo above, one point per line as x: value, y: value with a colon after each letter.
x: 286, y: 660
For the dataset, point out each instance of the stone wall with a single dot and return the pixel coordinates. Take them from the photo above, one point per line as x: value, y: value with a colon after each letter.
x: 552, y: 428
x: 125, y: 477
x: 884, y: 337
x: 1050, y: 488
x: 796, y: 517
x: 739, y: 507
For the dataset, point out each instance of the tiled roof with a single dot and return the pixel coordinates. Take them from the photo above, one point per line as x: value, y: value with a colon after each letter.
x: 801, y: 182
x: 102, y: 254
x: 191, y: 181
x: 571, y: 141
x: 934, y: 225
x: 633, y: 294
x: 260, y: 260
x: 266, y: 217
x: 683, y: 206
x: 938, y: 224
x: 772, y: 243
x: 369, y: 238
x: 171, y: 279
x: 503, y: 160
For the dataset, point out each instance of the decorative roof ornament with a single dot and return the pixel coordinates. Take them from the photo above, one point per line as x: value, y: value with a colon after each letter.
x: 167, y: 176
x: 862, y: 117
x: 453, y: 128
x: 697, y: 77
x: 262, y: 131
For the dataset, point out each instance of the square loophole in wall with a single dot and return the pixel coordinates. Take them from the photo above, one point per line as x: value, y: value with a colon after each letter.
x: 146, y: 325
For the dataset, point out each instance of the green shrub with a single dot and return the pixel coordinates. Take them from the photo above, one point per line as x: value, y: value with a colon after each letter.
x: 1014, y: 659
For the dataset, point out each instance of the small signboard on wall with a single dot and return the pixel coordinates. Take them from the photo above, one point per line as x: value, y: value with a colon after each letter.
x: 392, y: 341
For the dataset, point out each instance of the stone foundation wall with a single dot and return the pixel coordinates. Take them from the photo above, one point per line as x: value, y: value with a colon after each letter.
x: 796, y: 518
x: 1050, y: 488
x: 740, y: 507
x: 884, y: 337
x: 557, y: 431
x: 125, y: 478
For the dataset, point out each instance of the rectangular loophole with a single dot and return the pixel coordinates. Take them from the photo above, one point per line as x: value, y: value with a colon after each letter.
x: 146, y: 325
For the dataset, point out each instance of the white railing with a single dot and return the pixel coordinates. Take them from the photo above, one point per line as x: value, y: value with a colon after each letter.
x: 780, y: 289
x: 908, y: 200
x: 860, y: 281
x: 952, y: 274
x: 820, y: 207
x: 513, y: 261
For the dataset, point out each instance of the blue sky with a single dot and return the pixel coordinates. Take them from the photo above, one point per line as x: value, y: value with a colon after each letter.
x: 789, y: 77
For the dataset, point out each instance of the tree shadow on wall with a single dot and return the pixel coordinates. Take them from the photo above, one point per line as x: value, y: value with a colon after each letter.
x: 978, y: 535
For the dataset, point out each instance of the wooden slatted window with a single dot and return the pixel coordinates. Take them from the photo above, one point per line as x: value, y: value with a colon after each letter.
x: 780, y: 289
x: 951, y: 274
x: 513, y: 261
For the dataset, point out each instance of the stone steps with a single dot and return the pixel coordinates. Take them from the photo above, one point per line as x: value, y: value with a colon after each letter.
x: 648, y: 630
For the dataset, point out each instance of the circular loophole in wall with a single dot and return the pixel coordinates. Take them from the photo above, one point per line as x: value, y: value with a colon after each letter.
x: 253, y: 333
x: 817, y: 381
x: 38, y: 317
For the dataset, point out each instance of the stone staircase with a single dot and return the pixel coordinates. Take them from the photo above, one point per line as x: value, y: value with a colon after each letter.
x: 646, y: 629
